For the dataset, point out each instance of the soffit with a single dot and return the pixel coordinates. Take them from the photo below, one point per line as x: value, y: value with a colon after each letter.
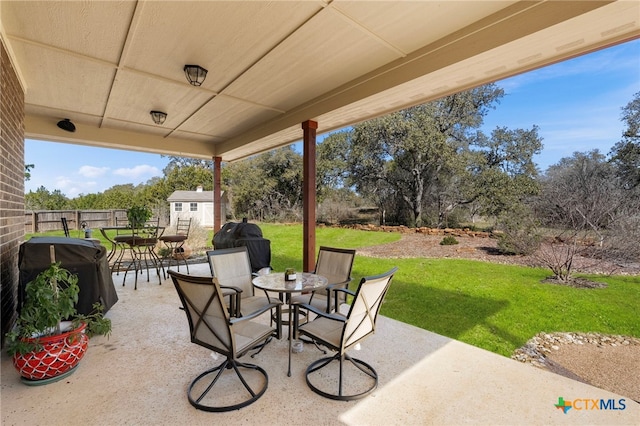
x: 273, y: 65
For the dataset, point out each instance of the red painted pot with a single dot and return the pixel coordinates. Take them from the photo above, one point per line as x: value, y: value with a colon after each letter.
x: 59, y: 354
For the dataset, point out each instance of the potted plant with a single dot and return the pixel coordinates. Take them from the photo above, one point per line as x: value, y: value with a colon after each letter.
x: 50, y: 337
x: 138, y: 216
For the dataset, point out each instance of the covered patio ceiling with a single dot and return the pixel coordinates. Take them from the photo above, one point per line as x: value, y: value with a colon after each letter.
x: 273, y: 65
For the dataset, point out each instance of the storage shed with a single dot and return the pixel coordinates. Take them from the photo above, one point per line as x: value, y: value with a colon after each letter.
x: 197, y: 205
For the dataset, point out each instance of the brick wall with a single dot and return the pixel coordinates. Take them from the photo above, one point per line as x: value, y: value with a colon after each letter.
x: 11, y: 186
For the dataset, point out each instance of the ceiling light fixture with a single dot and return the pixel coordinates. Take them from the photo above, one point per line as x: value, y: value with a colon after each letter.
x: 158, y: 116
x: 195, y: 74
x: 67, y: 125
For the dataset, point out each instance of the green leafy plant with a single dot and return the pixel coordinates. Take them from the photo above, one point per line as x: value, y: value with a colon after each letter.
x: 50, y: 299
x: 289, y: 273
x: 449, y: 240
x: 138, y: 216
x: 164, y: 252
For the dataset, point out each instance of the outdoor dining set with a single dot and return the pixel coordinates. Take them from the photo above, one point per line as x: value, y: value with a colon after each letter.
x: 133, y: 248
x: 242, y: 305
x: 237, y: 310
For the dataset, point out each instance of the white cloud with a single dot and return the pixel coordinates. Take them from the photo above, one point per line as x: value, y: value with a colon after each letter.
x: 586, y: 123
x: 63, y: 183
x: 580, y: 130
x: 138, y: 171
x: 72, y: 188
x: 91, y: 180
x: 92, y: 172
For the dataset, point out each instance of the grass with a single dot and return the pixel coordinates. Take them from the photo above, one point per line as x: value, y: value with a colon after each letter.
x: 500, y: 307
x: 492, y: 306
x: 286, y: 242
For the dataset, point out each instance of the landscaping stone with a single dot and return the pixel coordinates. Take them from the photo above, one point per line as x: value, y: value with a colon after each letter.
x: 543, y: 343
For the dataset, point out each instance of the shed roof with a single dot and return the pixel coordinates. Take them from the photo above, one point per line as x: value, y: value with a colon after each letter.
x: 192, y: 196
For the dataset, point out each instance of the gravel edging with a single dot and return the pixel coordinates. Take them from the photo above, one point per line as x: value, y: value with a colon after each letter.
x: 536, y: 349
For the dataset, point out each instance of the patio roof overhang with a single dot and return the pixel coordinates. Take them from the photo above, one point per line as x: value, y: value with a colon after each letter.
x: 273, y: 65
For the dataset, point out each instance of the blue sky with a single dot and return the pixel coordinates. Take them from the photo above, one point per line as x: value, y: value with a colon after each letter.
x: 576, y: 104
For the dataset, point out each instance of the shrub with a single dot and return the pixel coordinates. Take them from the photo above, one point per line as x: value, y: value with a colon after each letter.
x: 333, y: 211
x: 520, y: 235
x: 449, y: 240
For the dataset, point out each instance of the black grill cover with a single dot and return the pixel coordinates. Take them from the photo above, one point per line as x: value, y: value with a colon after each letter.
x: 234, y: 234
x: 84, y: 258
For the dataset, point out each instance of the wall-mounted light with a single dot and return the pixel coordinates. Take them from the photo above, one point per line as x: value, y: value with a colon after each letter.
x: 67, y: 125
x: 195, y: 74
x: 158, y: 116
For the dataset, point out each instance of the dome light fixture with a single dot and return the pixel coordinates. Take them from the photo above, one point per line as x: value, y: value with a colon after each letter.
x: 195, y: 74
x: 67, y: 125
x: 158, y: 116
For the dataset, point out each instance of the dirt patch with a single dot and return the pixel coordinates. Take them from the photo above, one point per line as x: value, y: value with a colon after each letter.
x: 605, y: 361
x: 575, y: 282
x: 484, y: 249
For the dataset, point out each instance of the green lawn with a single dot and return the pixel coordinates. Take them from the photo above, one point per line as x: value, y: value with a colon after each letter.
x: 492, y: 306
x: 495, y: 307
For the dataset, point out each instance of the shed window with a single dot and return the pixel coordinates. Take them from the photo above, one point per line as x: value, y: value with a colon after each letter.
x: 193, y: 207
x: 177, y: 207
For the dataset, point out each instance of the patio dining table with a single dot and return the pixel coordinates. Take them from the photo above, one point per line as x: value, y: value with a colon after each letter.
x: 141, y: 244
x: 120, y: 232
x: 305, y: 281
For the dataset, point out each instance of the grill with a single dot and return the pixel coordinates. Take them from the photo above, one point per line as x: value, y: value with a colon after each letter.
x: 238, y: 234
x: 81, y: 257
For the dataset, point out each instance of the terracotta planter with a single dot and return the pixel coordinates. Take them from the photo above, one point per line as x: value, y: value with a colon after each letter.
x: 182, y: 253
x: 58, y: 356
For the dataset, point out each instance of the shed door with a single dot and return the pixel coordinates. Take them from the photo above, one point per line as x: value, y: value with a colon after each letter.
x: 207, y: 214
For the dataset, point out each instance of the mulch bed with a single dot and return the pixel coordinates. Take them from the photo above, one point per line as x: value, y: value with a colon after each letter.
x: 481, y: 248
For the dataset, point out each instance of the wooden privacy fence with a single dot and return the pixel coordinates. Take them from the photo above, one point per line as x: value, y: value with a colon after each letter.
x: 50, y: 220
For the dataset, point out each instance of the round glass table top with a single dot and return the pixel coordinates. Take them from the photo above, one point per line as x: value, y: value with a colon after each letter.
x: 305, y: 281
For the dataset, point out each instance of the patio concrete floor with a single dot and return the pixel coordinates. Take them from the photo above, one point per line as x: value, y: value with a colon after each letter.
x: 139, y: 376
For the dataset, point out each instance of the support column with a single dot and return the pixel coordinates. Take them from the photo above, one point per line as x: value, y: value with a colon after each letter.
x: 309, y: 195
x: 217, y: 191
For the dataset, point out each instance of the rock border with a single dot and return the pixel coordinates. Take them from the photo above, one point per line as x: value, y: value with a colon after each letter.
x: 403, y: 229
x: 534, y: 351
